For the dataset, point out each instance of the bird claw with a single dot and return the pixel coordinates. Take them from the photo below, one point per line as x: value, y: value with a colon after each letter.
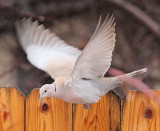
x: 87, y: 106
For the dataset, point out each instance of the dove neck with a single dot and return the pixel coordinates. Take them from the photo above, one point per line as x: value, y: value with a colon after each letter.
x: 59, y: 87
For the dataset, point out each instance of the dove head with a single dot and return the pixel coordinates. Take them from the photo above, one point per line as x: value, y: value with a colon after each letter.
x: 50, y: 90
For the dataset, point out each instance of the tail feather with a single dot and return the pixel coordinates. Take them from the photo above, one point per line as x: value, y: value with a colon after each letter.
x: 134, y: 73
x: 117, y: 81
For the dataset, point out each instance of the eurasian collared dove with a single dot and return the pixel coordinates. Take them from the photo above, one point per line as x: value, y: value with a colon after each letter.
x: 79, y: 75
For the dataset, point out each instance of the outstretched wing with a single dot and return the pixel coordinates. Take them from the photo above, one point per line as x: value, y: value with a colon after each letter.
x: 95, y: 59
x: 45, y: 50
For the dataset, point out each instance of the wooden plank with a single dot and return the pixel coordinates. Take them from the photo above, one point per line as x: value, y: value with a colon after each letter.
x: 114, y: 111
x: 104, y: 116
x: 140, y: 113
x: 85, y: 120
x: 12, y: 104
x: 49, y: 115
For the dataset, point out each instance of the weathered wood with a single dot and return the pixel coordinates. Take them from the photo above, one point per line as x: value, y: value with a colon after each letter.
x: 12, y: 104
x: 104, y: 116
x: 140, y: 113
x: 49, y: 115
x: 115, y: 112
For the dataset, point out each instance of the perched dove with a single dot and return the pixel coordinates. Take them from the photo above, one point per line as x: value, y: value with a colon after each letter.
x: 79, y: 75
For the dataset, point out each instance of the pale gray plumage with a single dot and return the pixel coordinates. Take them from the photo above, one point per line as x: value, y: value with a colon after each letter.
x: 78, y: 74
x: 95, y: 59
x: 45, y: 50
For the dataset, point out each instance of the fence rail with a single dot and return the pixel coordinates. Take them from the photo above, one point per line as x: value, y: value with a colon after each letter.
x: 136, y: 112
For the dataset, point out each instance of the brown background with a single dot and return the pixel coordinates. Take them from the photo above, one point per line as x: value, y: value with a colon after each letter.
x: 137, y: 39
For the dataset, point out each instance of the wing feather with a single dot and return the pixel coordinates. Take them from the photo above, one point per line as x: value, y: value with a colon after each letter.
x: 45, y: 50
x: 95, y: 60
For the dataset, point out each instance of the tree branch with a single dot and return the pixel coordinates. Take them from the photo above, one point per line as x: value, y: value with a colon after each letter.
x: 139, y: 14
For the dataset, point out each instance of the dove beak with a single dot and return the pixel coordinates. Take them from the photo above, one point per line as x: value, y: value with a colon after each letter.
x: 40, y: 98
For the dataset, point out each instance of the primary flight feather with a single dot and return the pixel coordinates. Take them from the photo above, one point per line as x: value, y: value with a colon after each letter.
x: 79, y: 75
x: 45, y: 50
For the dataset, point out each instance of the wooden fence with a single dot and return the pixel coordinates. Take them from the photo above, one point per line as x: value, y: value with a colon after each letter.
x: 136, y: 112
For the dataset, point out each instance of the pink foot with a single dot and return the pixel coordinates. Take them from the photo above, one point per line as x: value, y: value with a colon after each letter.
x: 87, y: 106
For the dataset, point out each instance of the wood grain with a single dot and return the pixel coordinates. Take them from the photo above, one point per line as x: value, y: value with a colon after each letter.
x: 137, y: 112
x: 58, y: 116
x: 140, y: 113
x: 115, y: 111
x: 12, y: 104
x: 100, y: 118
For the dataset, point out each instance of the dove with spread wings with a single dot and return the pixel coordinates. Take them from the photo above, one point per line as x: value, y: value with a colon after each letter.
x: 79, y: 75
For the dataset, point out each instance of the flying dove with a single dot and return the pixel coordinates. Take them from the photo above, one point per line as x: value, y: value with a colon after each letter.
x: 79, y: 75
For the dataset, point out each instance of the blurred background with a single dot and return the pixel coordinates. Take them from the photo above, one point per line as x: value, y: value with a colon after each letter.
x: 137, y: 35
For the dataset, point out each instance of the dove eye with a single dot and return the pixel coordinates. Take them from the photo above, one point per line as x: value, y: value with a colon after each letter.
x: 45, y: 91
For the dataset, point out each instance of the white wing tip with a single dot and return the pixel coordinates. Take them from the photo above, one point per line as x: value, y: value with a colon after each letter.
x: 144, y: 70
